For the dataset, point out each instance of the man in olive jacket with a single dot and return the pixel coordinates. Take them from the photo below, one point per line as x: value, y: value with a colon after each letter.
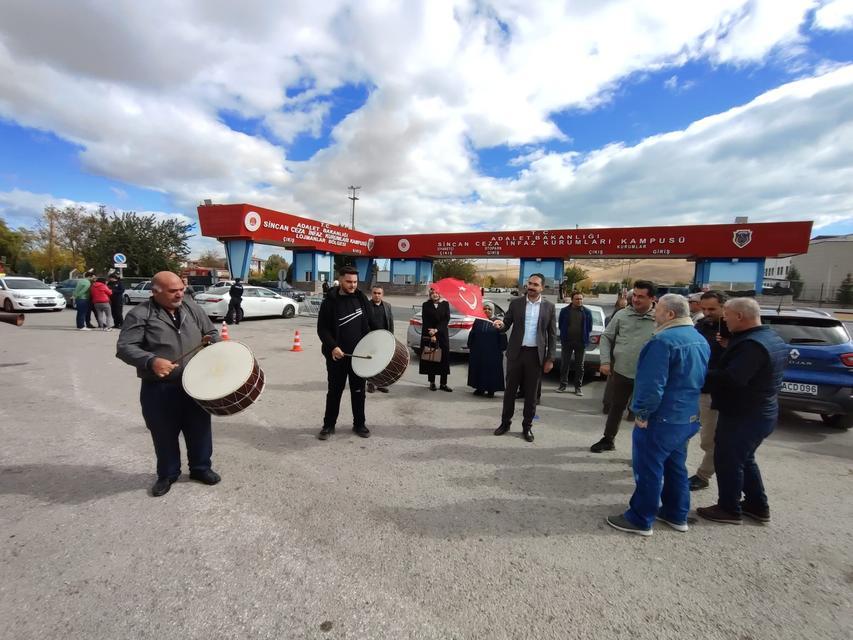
x: 153, y: 337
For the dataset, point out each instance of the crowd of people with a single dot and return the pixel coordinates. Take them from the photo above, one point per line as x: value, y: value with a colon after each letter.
x: 101, y: 296
x: 718, y: 376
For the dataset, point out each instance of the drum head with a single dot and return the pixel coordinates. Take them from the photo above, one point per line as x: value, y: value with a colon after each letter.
x: 379, y: 345
x: 218, y: 370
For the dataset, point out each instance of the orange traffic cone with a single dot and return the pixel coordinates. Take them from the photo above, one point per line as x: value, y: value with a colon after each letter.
x: 223, y: 333
x: 297, y: 342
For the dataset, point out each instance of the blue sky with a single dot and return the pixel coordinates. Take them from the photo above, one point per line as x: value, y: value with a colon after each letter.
x: 448, y: 119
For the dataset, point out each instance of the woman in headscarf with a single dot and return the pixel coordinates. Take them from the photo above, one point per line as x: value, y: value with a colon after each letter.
x: 436, y: 316
x: 486, y: 346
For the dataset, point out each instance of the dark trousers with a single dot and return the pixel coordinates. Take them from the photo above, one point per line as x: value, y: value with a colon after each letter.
x: 572, y: 352
x: 235, y: 312
x: 735, y: 443
x: 621, y: 390
x: 524, y: 371
x: 82, y: 307
x: 168, y: 411
x: 443, y: 377
x: 117, y: 307
x: 659, y: 460
x: 337, y: 373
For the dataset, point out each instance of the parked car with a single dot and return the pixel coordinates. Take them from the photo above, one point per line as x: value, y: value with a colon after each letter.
x: 140, y: 292
x: 66, y: 288
x: 287, y: 291
x: 458, y: 329
x: 819, y: 375
x: 257, y: 302
x: 18, y: 293
x: 592, y: 359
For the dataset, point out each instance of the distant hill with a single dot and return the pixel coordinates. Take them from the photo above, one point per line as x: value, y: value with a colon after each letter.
x: 663, y: 270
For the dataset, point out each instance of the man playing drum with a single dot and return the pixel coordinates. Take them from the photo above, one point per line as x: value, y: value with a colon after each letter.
x: 345, y: 318
x: 155, y: 334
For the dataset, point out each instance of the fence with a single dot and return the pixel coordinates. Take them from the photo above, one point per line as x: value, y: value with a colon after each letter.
x: 310, y: 306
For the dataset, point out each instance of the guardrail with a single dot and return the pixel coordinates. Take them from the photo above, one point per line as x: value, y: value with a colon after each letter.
x: 310, y: 306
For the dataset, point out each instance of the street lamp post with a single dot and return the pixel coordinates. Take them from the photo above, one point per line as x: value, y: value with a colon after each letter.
x: 353, y: 197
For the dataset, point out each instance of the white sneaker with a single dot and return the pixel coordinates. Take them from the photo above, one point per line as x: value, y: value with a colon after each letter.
x: 678, y: 526
x: 84, y: 329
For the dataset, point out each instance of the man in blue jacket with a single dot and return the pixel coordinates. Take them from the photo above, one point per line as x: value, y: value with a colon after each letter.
x: 574, y: 323
x: 744, y: 389
x: 670, y: 374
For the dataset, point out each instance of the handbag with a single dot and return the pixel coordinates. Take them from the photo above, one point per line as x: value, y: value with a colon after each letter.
x: 431, y: 354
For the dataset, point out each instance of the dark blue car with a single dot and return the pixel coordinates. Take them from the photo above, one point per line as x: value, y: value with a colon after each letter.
x: 819, y: 375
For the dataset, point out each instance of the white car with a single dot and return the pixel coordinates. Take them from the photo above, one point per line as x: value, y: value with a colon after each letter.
x: 138, y: 293
x: 24, y: 294
x: 257, y: 302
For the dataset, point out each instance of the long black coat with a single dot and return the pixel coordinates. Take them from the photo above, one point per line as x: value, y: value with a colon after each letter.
x: 436, y: 318
x: 486, y: 346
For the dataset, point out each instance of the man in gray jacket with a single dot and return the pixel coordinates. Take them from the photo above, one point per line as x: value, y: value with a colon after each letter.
x: 530, y: 351
x: 153, y: 337
x: 620, y: 347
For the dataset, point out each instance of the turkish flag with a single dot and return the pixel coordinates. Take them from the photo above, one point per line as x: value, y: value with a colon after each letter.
x: 465, y: 298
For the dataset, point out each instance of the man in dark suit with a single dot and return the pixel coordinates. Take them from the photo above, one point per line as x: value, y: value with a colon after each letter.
x: 530, y: 351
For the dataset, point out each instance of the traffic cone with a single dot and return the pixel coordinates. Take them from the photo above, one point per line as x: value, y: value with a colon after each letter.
x: 223, y: 333
x: 297, y: 342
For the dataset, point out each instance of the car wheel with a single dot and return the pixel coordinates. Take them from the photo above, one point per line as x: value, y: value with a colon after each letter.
x: 8, y: 307
x: 288, y: 312
x: 126, y: 299
x: 839, y: 420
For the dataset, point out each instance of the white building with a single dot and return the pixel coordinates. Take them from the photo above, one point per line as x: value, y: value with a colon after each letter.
x: 824, y: 267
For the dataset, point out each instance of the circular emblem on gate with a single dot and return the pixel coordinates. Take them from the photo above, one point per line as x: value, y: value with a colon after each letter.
x: 404, y: 245
x: 252, y: 221
x: 370, y: 244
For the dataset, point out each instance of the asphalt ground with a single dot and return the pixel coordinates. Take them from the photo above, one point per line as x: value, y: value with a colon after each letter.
x: 432, y: 528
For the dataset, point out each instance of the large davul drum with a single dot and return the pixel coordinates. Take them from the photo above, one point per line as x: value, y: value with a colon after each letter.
x: 224, y: 378
x: 388, y: 358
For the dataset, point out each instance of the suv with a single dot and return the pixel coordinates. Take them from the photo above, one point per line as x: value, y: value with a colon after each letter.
x: 819, y: 375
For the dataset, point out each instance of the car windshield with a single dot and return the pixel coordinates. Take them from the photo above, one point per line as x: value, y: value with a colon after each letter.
x: 25, y: 283
x: 817, y: 331
x: 218, y: 291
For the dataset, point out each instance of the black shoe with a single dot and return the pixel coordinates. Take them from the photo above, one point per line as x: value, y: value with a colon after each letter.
x: 578, y: 392
x: 717, y: 514
x: 478, y: 392
x: 490, y: 394
x: 432, y: 386
x: 361, y: 432
x: 605, y: 444
x: 760, y: 514
x: 630, y: 417
x: 370, y: 387
x: 162, y: 486
x: 528, y: 435
x: 325, y: 433
x: 208, y: 476
x: 562, y: 388
x: 501, y: 429
x: 444, y: 387
x: 382, y: 389
x: 697, y: 483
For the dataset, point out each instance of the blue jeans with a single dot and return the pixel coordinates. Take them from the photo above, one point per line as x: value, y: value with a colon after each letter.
x: 735, y: 442
x: 660, y: 472
x: 82, y: 312
x: 168, y: 411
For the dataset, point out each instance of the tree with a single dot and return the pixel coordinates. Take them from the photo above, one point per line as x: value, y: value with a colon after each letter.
x: 274, y: 264
x: 796, y: 281
x: 458, y: 268
x: 13, y: 244
x: 845, y: 291
x: 150, y: 244
x: 212, y: 259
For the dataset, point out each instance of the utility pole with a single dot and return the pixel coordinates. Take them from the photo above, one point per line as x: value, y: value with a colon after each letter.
x: 353, y: 197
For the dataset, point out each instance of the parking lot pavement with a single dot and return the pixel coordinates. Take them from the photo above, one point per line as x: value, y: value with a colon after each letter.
x: 432, y: 528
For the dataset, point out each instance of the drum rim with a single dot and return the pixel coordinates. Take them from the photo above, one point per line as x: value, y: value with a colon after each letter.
x: 359, y: 363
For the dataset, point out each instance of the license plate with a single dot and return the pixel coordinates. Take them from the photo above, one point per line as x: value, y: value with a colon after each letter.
x: 800, y: 388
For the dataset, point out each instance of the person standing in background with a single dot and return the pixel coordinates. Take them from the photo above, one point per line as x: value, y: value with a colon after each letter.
x: 100, y: 297
x: 383, y: 318
x: 574, y: 323
x: 486, y: 346
x: 695, y: 301
x: 435, y: 315
x: 235, y: 309
x: 82, y: 300
x: 116, y: 299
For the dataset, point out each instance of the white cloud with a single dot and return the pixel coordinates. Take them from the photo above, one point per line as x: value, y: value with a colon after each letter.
x: 143, y: 98
x: 836, y: 15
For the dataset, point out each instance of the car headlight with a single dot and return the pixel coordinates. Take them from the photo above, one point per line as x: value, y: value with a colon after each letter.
x: 20, y: 296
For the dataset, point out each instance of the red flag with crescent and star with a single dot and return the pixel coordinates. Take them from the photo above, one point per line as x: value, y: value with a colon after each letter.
x: 465, y: 298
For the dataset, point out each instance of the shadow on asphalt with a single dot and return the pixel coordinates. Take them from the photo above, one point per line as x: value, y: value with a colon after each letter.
x: 69, y: 484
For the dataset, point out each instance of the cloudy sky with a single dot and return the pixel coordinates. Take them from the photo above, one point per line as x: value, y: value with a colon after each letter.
x: 451, y: 116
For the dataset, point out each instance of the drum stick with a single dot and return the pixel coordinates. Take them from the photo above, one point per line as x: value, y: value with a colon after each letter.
x: 187, y: 354
x: 352, y: 355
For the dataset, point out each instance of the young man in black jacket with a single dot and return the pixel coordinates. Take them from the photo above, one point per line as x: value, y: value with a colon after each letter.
x: 344, y: 318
